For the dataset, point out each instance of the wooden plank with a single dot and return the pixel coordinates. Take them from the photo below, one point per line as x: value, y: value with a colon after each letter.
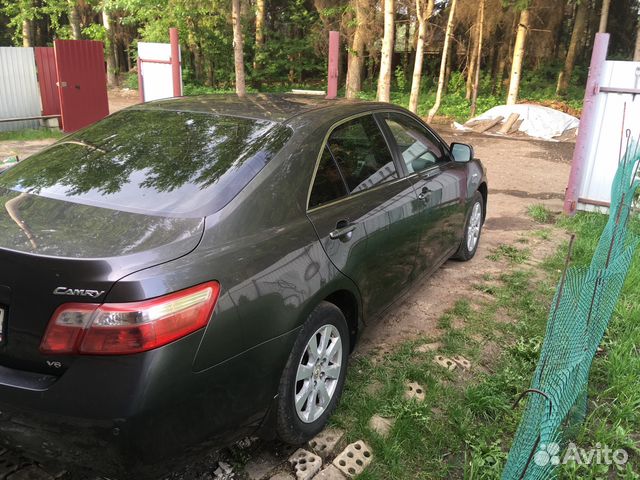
x: 506, y: 126
x: 487, y: 124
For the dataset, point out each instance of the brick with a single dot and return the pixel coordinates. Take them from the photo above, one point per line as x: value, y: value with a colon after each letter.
x: 324, y: 444
x: 381, y: 425
x: 329, y: 473
x: 261, y: 466
x: 305, y: 463
x: 354, y: 459
x: 414, y: 391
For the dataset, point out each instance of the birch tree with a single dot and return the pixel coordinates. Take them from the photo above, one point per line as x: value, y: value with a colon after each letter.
x: 384, y: 80
x: 636, y: 53
x: 355, y: 61
x: 74, y: 20
x: 110, y: 57
x: 582, y: 15
x: 423, y: 16
x: 518, y: 56
x: 259, y: 45
x: 604, y: 16
x: 476, y: 80
x: 238, y: 48
x: 443, y: 62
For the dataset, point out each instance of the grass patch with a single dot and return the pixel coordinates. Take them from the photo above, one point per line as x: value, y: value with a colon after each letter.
x: 540, y: 213
x: 465, y: 426
x: 543, y: 234
x: 30, y: 134
x: 510, y: 253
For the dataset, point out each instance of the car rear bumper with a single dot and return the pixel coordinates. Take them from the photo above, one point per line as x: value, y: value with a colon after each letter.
x: 143, y: 412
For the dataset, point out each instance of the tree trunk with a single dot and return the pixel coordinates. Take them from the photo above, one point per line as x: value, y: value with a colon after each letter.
x: 74, y: 20
x: 355, y: 60
x: 472, y: 59
x: 448, y: 68
x: 260, y: 16
x: 604, y: 16
x: 238, y: 47
x: 384, y: 80
x: 518, y: 55
x: 476, y: 81
x: 443, y: 62
x: 636, y: 54
x: 572, y: 52
x: 112, y: 78
x: 423, y: 18
x: 27, y: 33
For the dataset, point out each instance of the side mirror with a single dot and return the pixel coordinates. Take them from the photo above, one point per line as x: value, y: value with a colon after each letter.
x: 461, y: 152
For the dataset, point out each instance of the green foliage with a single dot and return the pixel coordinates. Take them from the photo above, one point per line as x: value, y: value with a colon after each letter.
x: 401, y: 79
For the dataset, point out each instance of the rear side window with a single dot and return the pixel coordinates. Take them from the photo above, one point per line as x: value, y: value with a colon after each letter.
x: 328, y: 184
x: 419, y: 147
x: 362, y: 154
x: 153, y: 162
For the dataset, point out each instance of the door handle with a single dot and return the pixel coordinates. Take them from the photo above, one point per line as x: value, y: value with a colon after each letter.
x: 344, y: 230
x: 425, y: 195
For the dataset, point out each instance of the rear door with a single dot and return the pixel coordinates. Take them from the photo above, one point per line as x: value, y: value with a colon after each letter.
x: 439, y: 184
x: 362, y: 208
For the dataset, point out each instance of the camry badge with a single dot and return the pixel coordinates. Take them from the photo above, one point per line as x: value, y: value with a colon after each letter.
x: 78, y: 292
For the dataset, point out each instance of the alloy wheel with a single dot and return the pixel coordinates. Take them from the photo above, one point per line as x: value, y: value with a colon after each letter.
x: 318, y: 373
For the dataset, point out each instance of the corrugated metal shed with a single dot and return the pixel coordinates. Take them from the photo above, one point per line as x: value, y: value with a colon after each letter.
x: 19, y: 94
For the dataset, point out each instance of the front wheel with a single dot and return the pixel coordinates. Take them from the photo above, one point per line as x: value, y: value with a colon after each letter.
x: 472, y: 230
x: 312, y: 381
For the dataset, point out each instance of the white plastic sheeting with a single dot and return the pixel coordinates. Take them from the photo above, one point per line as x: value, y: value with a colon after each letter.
x: 157, y: 78
x: 538, y: 121
x: 19, y: 93
x: 616, y: 113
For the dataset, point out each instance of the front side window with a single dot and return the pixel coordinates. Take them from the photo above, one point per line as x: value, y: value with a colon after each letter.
x: 419, y: 148
x: 362, y: 154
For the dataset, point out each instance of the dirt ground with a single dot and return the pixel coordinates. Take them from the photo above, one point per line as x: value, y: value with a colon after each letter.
x: 520, y: 172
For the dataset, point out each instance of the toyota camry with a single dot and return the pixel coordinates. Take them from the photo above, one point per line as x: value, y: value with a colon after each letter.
x: 190, y: 271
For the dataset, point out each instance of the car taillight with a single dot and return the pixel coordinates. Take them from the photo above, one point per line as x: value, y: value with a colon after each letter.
x: 122, y: 328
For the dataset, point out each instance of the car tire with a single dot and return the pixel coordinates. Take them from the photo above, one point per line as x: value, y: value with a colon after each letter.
x: 310, y: 388
x: 472, y: 229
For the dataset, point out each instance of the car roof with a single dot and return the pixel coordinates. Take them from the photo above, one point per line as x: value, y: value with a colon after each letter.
x: 272, y: 107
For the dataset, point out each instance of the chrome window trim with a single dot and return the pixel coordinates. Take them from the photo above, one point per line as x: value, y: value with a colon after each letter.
x: 324, y: 144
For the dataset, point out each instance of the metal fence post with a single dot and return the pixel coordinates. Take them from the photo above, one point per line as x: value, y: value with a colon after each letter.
x: 334, y: 53
x: 587, y: 121
x: 175, y: 62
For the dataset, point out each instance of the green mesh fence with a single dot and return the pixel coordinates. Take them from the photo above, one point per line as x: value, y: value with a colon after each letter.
x: 584, y: 302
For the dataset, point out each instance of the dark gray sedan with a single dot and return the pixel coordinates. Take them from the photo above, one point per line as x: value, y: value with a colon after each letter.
x: 198, y: 269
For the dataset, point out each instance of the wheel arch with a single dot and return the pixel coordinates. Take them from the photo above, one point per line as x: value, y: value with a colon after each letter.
x: 349, y: 304
x: 484, y: 191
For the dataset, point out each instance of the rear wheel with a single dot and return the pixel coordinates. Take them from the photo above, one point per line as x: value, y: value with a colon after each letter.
x: 312, y: 381
x: 472, y: 230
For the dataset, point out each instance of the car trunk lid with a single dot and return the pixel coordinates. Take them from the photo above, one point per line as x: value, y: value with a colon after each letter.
x: 54, y: 251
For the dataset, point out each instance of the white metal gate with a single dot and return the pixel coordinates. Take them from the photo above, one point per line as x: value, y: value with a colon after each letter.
x: 19, y: 94
x: 617, y: 122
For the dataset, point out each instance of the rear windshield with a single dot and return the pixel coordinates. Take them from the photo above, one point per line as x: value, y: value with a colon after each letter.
x: 153, y: 162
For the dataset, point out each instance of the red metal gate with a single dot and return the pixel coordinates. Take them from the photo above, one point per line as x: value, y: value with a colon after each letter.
x: 47, y: 81
x: 82, y: 82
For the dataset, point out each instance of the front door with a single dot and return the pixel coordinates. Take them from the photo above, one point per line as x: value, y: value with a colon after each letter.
x: 362, y: 209
x: 439, y: 184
